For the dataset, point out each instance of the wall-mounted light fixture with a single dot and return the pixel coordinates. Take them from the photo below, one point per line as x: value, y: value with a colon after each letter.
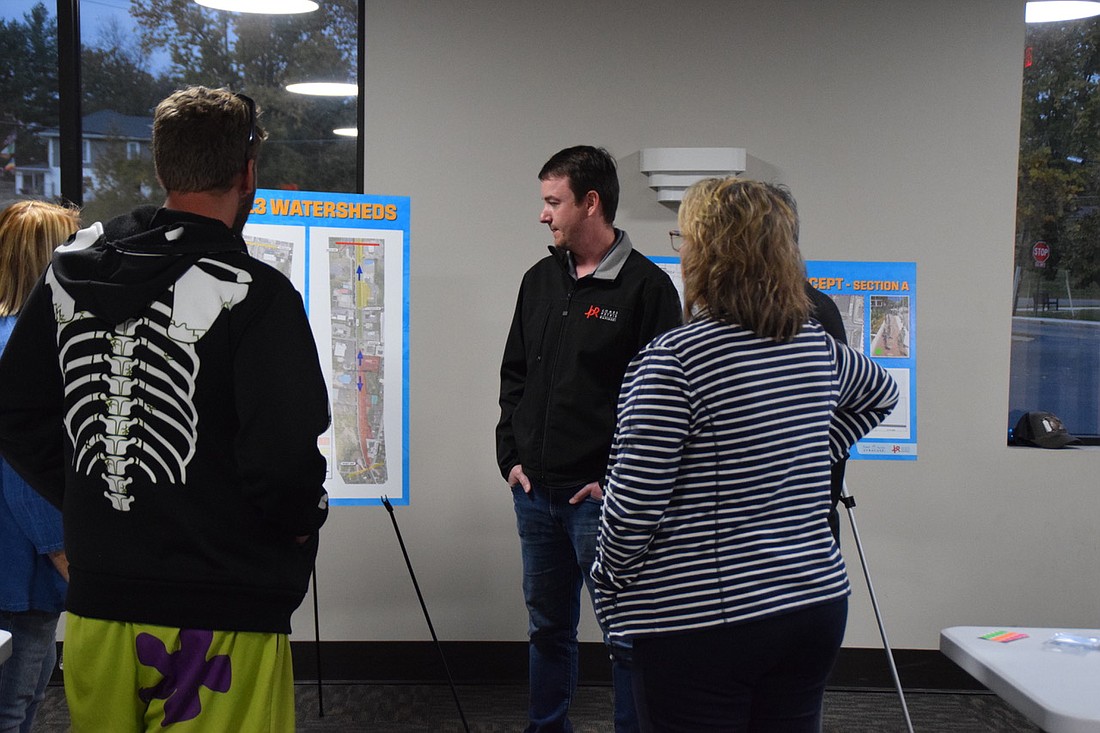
x: 346, y: 132
x: 672, y: 170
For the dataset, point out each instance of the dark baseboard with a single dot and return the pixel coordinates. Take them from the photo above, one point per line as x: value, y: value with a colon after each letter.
x: 918, y: 669
x: 505, y: 662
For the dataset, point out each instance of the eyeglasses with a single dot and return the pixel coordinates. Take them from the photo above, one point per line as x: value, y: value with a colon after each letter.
x: 676, y: 239
x: 251, y: 104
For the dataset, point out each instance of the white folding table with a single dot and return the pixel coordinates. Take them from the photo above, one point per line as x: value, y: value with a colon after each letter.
x: 1058, y: 691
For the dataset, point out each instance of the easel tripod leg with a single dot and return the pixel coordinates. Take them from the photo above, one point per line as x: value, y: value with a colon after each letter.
x: 849, y: 504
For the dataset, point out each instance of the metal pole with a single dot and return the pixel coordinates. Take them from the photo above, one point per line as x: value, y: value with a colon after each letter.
x: 424, y: 608
x: 849, y: 503
x: 71, y: 142
x: 317, y: 647
x: 361, y: 102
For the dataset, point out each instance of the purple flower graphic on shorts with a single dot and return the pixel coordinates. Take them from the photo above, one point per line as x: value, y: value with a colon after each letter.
x: 184, y: 672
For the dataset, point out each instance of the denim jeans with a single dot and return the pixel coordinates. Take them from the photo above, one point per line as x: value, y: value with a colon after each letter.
x: 24, y: 676
x: 558, y: 543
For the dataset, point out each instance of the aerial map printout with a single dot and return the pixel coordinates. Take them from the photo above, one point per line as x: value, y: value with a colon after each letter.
x: 348, y: 256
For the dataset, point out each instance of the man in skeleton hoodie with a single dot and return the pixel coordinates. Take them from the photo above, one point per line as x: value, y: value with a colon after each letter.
x: 163, y: 389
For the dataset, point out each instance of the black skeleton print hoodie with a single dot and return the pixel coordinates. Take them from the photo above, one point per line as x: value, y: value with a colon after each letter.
x: 163, y: 389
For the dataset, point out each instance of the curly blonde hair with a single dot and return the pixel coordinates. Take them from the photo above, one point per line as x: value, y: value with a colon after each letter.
x: 740, y: 257
x: 29, y: 233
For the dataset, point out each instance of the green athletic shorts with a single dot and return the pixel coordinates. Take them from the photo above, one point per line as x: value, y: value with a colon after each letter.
x: 125, y: 678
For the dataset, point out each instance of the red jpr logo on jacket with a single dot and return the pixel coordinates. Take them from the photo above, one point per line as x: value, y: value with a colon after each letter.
x: 602, y: 313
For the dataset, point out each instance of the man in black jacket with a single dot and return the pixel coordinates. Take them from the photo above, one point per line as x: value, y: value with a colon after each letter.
x: 827, y: 314
x: 163, y: 389
x: 582, y: 314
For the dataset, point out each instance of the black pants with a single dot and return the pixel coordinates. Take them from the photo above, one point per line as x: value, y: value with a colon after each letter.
x: 767, y: 676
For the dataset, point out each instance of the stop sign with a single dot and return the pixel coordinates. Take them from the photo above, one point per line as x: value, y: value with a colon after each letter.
x: 1041, y: 253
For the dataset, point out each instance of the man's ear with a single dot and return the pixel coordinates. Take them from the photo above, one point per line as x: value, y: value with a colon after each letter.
x: 248, y: 180
x: 592, y: 203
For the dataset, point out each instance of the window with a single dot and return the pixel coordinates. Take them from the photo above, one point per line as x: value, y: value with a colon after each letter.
x: 1056, y: 305
x: 134, y: 54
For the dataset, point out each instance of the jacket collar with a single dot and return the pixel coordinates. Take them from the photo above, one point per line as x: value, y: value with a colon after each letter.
x: 611, y: 264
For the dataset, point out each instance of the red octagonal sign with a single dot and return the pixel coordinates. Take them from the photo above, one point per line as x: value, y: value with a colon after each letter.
x: 1041, y: 252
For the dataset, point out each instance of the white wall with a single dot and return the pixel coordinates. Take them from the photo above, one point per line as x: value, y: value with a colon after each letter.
x: 894, y: 123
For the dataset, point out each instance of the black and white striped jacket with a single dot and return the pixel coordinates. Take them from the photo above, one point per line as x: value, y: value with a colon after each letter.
x: 718, y: 487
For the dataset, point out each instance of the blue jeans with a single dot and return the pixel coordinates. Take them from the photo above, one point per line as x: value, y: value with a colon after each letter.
x: 24, y: 676
x: 558, y: 543
x: 764, y: 676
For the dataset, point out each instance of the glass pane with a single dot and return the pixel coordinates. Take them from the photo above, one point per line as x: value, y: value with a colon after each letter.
x: 28, y: 86
x: 133, y: 58
x: 1056, y: 307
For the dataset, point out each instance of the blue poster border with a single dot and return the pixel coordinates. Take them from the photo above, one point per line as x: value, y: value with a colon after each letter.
x: 875, y: 283
x: 312, y: 209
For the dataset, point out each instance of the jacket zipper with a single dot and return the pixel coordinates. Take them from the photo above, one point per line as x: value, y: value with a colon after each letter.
x: 553, y: 374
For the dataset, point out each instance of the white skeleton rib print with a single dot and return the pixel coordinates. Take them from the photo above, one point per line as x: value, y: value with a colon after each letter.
x: 129, y: 391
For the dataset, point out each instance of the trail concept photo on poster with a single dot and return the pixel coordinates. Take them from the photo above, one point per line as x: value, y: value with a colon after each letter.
x: 348, y: 256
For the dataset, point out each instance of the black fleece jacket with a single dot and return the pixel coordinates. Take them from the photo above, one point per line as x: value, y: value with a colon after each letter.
x: 568, y: 348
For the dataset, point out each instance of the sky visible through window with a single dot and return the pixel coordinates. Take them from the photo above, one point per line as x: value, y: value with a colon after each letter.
x: 96, y: 17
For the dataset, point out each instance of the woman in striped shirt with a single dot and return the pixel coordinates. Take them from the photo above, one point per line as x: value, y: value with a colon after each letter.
x: 714, y: 553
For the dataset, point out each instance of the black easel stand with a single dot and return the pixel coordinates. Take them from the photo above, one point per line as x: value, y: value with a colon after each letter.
x: 849, y: 503
x: 424, y: 608
x: 317, y: 647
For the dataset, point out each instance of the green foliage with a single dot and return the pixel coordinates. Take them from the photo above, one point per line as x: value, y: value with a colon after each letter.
x: 115, y: 76
x: 197, y: 40
x: 123, y: 183
x: 28, y: 81
x: 260, y: 55
x: 1058, y: 199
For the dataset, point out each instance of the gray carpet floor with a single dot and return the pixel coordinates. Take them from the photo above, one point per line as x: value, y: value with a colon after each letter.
x: 356, y: 708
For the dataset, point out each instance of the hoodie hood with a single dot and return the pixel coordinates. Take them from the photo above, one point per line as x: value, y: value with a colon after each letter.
x: 115, y: 270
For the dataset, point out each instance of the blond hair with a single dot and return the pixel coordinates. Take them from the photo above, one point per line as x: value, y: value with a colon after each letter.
x: 740, y: 257
x: 29, y: 233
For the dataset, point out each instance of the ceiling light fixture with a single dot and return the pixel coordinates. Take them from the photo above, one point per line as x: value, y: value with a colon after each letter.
x: 267, y: 7
x: 1049, y: 11
x: 324, y: 89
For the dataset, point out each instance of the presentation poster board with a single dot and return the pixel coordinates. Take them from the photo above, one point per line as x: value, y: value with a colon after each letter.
x: 877, y: 301
x: 348, y: 255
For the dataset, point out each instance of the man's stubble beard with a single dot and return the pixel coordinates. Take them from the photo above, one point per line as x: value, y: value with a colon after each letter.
x: 244, y: 207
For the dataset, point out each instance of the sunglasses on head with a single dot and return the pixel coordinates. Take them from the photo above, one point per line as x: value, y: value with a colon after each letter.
x: 251, y: 104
